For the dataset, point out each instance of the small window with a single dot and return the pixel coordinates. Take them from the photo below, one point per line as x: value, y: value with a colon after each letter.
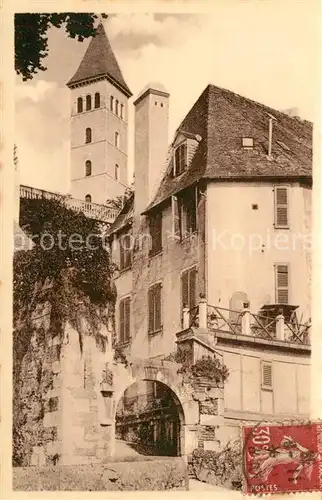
x: 180, y: 159
x: 97, y: 100
x: 125, y: 315
x: 189, y: 288
x: 88, y: 198
x: 155, y: 226
x: 282, y: 283
x: 88, y: 135
x: 88, y: 168
x: 154, y: 309
x: 116, y: 107
x: 267, y: 375
x: 112, y: 103
x: 88, y: 103
x: 117, y: 172
x: 248, y: 142
x: 117, y: 139
x: 122, y: 111
x: 281, y: 207
x: 125, y: 251
x: 188, y: 212
x: 80, y: 105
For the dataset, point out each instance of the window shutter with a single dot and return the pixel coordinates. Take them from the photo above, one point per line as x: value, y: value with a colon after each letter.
x: 175, y: 217
x: 122, y: 265
x: 281, y: 207
x: 267, y: 375
x: 127, y: 322
x: 151, y: 310
x: 157, y: 310
x: 192, y: 288
x: 185, y: 289
x: 282, y: 284
x: 122, y: 321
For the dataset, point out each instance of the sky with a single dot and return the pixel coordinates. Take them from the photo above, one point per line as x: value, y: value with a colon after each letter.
x: 264, y: 50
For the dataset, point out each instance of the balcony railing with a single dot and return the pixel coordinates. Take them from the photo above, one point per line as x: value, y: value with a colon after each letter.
x: 245, y: 322
x: 91, y: 210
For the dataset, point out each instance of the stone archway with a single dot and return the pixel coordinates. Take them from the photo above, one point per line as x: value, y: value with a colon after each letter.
x: 165, y: 372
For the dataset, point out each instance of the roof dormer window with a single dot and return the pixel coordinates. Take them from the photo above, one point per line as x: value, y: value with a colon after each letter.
x: 247, y: 142
x: 180, y: 159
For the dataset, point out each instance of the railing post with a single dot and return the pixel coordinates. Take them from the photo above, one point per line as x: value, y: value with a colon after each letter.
x: 203, y: 313
x: 280, y: 327
x: 245, y: 322
x: 185, y: 318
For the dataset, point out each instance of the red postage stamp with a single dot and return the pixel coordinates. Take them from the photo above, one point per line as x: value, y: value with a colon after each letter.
x: 281, y: 458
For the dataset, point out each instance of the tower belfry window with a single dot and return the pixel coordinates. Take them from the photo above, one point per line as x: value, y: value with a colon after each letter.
x: 117, y: 172
x: 122, y: 111
x: 117, y: 139
x: 88, y: 135
x: 117, y: 107
x: 112, y: 103
x: 88, y: 103
x: 97, y: 100
x: 80, y: 105
x: 88, y: 168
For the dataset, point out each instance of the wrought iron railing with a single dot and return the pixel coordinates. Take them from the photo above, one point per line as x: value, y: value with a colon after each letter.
x: 91, y: 210
x: 245, y: 322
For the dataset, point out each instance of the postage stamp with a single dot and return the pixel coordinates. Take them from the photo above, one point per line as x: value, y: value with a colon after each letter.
x: 282, y: 458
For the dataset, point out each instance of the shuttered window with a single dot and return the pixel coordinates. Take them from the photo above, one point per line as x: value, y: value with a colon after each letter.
x: 267, y: 375
x: 155, y: 224
x: 154, y: 308
x: 189, y: 288
x: 180, y: 159
x: 282, y: 283
x: 184, y: 213
x: 125, y: 251
x: 281, y: 207
x: 125, y: 311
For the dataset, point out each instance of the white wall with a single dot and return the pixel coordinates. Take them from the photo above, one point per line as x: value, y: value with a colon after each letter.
x: 230, y: 213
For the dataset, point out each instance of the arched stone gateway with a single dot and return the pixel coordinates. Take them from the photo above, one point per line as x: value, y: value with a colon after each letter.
x: 119, y: 378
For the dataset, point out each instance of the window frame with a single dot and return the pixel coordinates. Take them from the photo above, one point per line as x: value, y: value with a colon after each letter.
x: 156, y: 328
x: 88, y: 168
x: 88, y: 135
x: 117, y: 139
x: 88, y: 102
x: 80, y: 105
x: 285, y: 206
x: 283, y: 288
x: 112, y: 103
x: 117, y: 107
x: 117, y: 171
x: 156, y: 222
x: 184, y: 158
x: 123, y: 336
x: 122, y: 112
x: 97, y: 100
x: 264, y: 386
x: 125, y: 253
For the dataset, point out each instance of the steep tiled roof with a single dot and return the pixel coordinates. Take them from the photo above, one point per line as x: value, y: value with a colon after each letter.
x: 222, y: 118
x: 99, y: 61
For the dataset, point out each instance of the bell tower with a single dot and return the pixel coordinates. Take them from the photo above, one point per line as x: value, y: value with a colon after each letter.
x: 99, y: 124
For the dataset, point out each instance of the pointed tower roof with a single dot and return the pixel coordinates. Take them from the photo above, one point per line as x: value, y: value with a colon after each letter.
x: 99, y: 61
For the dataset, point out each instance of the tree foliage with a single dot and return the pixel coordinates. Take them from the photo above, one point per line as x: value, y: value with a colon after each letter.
x: 31, y: 37
x: 69, y: 253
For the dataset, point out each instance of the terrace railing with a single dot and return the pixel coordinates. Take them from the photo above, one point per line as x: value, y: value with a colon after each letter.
x: 245, y: 322
x: 91, y: 210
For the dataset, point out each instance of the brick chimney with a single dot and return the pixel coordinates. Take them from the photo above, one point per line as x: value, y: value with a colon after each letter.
x: 151, y: 143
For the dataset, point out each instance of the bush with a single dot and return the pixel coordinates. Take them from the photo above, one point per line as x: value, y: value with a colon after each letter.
x: 143, y: 475
x: 223, y: 468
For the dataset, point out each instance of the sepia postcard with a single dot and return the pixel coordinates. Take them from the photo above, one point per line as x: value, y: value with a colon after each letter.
x: 160, y: 248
